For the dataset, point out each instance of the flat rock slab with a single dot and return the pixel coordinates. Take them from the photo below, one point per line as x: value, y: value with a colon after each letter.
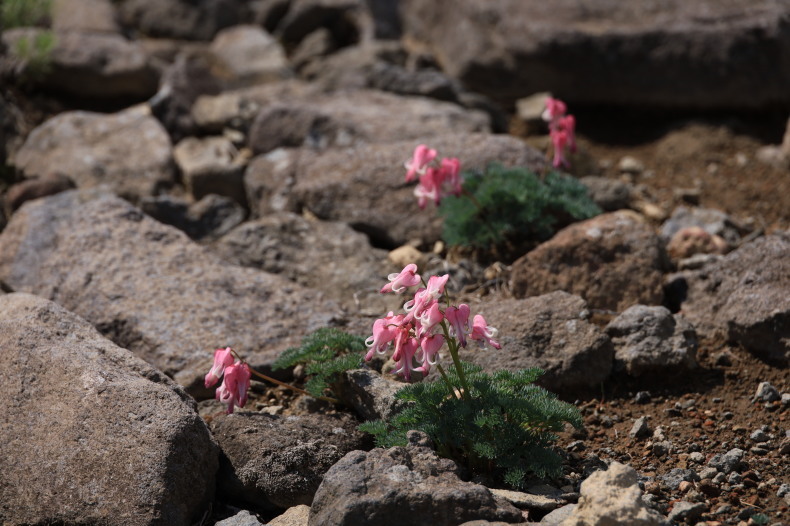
x: 149, y: 288
x: 717, y: 50
x: 383, y: 486
x: 90, y: 434
x: 745, y: 297
x: 613, y: 261
x: 552, y: 332
x: 129, y: 151
x: 278, y: 461
x: 364, y: 186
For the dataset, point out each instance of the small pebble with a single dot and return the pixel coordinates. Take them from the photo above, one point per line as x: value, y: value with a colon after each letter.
x: 697, y: 457
x: 642, y: 397
x: 766, y: 393
x: 759, y: 436
x: 708, y: 473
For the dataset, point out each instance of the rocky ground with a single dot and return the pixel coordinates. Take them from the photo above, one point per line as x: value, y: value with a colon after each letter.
x: 190, y: 175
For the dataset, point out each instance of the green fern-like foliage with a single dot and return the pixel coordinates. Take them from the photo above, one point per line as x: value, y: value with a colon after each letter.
x: 506, y: 426
x: 507, y: 210
x: 24, y: 13
x: 325, y: 354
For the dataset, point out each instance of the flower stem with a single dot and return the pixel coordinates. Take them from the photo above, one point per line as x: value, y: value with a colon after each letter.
x: 452, y: 345
x: 283, y: 384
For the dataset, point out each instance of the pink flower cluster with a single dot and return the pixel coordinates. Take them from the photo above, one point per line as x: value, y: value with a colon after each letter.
x: 562, y: 130
x: 435, y: 178
x: 418, y: 335
x: 236, y: 383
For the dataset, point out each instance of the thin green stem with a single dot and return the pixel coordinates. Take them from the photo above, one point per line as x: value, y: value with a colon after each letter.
x: 283, y: 384
x: 452, y: 345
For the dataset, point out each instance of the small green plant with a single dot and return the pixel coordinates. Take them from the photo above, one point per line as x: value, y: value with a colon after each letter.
x: 506, y: 425
x: 325, y: 354
x: 509, y: 209
x: 35, y: 57
x: 24, y: 13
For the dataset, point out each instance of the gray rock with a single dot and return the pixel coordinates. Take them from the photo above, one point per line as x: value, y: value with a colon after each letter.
x: 766, y: 393
x: 613, y: 261
x: 745, y: 297
x: 85, y: 146
x: 370, y: 394
x: 247, y: 55
x: 211, y: 165
x: 242, y: 518
x: 94, y: 16
x: 349, y: 118
x: 294, y: 516
x: 150, y: 289
x: 609, y: 194
x: 333, y: 184
x: 652, y: 340
x: 91, y: 434
x: 29, y: 189
x: 759, y: 436
x: 497, y: 47
x: 675, y: 476
x: 299, y: 249
x: 708, y: 473
x: 731, y: 461
x: 551, y: 332
x: 558, y: 515
x: 96, y: 65
x: 529, y: 501
x: 384, y: 485
x: 714, y: 222
x: 640, y: 429
x: 684, y: 511
x: 612, y: 497
x: 278, y: 461
x: 182, y: 19
x: 210, y: 218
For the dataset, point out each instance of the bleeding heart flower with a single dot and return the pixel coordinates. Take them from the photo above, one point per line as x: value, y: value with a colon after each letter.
x: 407, y: 277
x: 458, y: 317
x: 484, y: 333
x: 421, y: 158
x: 559, y: 139
x: 222, y: 359
x: 235, y: 386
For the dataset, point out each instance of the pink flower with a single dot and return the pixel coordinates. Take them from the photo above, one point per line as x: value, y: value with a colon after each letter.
x: 555, y: 109
x: 222, y: 359
x: 436, y: 285
x: 451, y: 167
x: 404, y: 356
x: 430, y: 318
x: 425, y: 298
x: 458, y: 317
x: 568, y: 124
x: 384, y: 331
x: 429, y: 187
x: 399, y: 282
x: 235, y: 385
x: 484, y: 333
x: 559, y: 139
x: 429, y: 350
x: 421, y: 158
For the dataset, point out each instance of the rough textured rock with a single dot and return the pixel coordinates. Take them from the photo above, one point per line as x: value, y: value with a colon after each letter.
x: 129, y: 150
x: 552, y: 332
x: 242, y: 518
x: 299, y: 249
x: 248, y: 55
x: 149, y: 288
x: 652, y: 340
x: 693, y: 240
x: 182, y: 19
x: 96, y: 16
x: 341, y: 17
x: 352, y: 117
x: 97, y: 65
x: 211, y: 165
x: 745, y: 296
x: 613, y: 261
x: 714, y: 222
x: 384, y: 485
x: 29, y: 189
x: 370, y: 394
x: 509, y: 49
x: 294, y: 516
x: 333, y: 184
x: 280, y: 460
x: 609, y: 194
x: 208, y: 219
x: 91, y: 434
x: 612, y: 497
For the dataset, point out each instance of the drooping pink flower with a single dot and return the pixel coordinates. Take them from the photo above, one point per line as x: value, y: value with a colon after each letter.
x: 407, y: 277
x: 429, y: 350
x: 424, y: 298
x: 559, y: 139
x: 235, y: 386
x: 420, y: 160
x: 222, y: 359
x: 458, y: 317
x: 483, y: 333
x: 383, y: 333
x: 555, y: 109
x: 404, y: 357
x: 451, y: 168
x: 429, y: 187
x: 436, y: 284
x: 568, y: 124
x: 429, y: 319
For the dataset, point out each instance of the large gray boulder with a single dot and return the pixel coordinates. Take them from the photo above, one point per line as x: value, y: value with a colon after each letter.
x: 553, y: 332
x: 385, y: 485
x: 149, y: 288
x: 129, y: 151
x: 745, y: 297
x: 722, y: 53
x: 90, y: 434
x: 278, y: 462
x: 182, y: 19
x: 364, y: 186
x: 613, y: 261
